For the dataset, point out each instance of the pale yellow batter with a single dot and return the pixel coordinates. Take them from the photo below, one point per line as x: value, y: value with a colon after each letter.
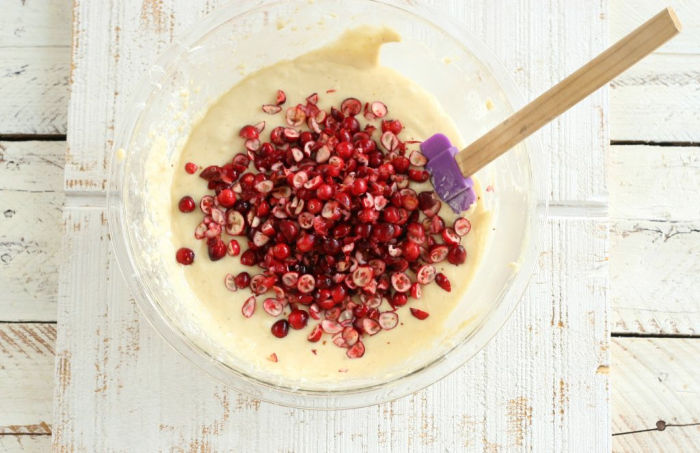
x: 350, y: 67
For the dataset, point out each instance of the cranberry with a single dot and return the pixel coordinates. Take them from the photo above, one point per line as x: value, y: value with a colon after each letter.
x: 359, y: 187
x: 226, y: 198
x: 344, y: 150
x: 442, y: 281
x: 399, y: 300
x: 457, y: 255
x: 242, y: 280
x: 289, y: 230
x: 249, y: 132
x: 298, y: 319
x: 394, y: 126
x: 383, y: 232
x: 411, y: 250
x: 325, y: 192
x: 401, y: 164
x: 248, y: 258
x: 305, y: 243
x: 314, y: 206
x: 281, y: 251
x: 184, y: 256
x: 234, y: 248
x: 280, y: 328
x: 186, y: 204
x: 191, y: 168
x: 216, y: 249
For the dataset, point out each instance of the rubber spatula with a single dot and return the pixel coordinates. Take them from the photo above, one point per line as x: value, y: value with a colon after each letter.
x: 451, y: 169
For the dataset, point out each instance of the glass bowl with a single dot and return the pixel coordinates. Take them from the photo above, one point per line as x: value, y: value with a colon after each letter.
x: 248, y: 35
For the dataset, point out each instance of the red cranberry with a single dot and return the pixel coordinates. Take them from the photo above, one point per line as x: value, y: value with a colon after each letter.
x: 249, y: 133
x: 298, y: 319
x: 442, y: 281
x: 248, y: 258
x: 394, y: 126
x: 184, y: 256
x: 344, y: 149
x: 242, y: 280
x: 226, y: 198
x: 280, y: 328
x: 314, y: 206
x: 399, y: 300
x: 306, y: 243
x: 281, y: 251
x: 457, y: 255
x: 411, y: 251
x: 186, y: 204
x: 325, y: 192
x: 191, y: 168
x: 359, y: 187
x: 289, y: 230
x: 216, y: 249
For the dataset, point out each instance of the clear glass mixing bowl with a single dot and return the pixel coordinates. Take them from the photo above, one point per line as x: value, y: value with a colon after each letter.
x: 248, y: 35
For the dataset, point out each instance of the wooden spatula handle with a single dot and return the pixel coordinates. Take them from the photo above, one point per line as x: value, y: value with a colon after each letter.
x: 599, y: 71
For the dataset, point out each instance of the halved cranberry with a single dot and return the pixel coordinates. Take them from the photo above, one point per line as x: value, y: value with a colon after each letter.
x: 394, y: 126
x: 242, y: 280
x: 399, y: 299
x: 216, y: 249
x: 457, y: 255
x: 442, y: 281
x: 315, y: 334
x: 248, y: 258
x: 462, y: 226
x: 420, y: 314
x: 184, y: 256
x: 249, y: 132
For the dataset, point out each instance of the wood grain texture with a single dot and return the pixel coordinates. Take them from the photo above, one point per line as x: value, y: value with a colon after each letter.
x: 655, y: 380
x: 657, y: 100
x: 31, y: 200
x: 655, y: 239
x: 655, y: 182
x: 525, y: 391
x: 25, y: 397
x: 25, y: 443
x: 654, y: 268
x: 34, y: 66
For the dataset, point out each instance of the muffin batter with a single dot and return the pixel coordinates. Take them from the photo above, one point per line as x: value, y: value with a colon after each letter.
x: 348, y: 68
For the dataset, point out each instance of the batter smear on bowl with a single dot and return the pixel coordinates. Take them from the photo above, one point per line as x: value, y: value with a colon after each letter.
x: 304, y: 219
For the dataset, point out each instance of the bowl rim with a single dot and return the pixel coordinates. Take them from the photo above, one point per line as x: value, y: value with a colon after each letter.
x: 463, y: 351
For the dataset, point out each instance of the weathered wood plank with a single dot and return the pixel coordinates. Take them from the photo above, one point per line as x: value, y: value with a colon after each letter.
x: 26, y: 371
x: 31, y: 200
x: 657, y: 100
x: 624, y: 16
x: 534, y: 381
x: 654, y: 284
x: 34, y: 66
x: 654, y: 182
x: 655, y: 380
x: 25, y: 443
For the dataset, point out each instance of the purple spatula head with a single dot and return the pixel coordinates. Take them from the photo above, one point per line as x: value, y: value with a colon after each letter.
x: 448, y: 181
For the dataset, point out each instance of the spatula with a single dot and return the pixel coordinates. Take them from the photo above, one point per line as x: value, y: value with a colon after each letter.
x: 451, y: 169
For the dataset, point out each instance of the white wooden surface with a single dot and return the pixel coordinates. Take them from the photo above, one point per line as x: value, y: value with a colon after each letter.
x: 656, y: 379
x: 526, y: 391
x: 34, y: 66
x: 634, y: 231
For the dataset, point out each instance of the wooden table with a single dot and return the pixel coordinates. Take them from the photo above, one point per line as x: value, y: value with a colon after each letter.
x: 652, y: 248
